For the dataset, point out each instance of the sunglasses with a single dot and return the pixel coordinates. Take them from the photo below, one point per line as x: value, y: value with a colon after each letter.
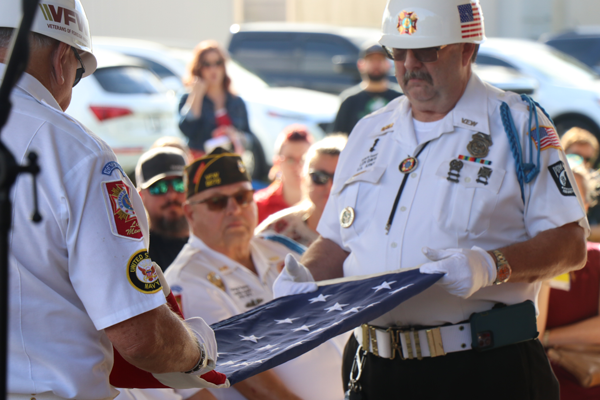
x: 162, y: 187
x: 320, y: 177
x: 426, y: 55
x: 215, y: 64
x: 80, y: 71
x: 219, y: 203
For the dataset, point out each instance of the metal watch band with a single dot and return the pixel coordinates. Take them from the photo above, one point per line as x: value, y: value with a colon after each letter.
x: 503, y: 270
x: 202, y: 361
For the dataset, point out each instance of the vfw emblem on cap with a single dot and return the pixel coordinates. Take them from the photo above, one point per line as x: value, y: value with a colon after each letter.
x: 407, y: 23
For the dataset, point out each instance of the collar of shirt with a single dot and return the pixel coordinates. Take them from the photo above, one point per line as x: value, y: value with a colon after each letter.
x: 34, y: 88
x: 469, y: 113
x: 261, y: 267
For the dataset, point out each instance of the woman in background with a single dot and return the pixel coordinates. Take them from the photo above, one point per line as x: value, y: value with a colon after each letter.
x: 300, y: 222
x: 212, y: 115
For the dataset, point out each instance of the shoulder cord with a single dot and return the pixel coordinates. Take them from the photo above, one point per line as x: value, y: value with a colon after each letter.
x: 526, y: 172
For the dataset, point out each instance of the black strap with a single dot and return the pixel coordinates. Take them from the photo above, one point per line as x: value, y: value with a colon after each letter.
x: 395, y: 206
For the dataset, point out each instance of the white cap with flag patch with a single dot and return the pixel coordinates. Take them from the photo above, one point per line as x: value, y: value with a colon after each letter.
x: 416, y: 24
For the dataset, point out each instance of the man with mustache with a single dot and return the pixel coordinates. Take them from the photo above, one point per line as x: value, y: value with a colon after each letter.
x: 159, y: 176
x: 456, y: 178
x: 374, y: 92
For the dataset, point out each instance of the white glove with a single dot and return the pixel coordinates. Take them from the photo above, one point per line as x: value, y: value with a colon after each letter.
x: 205, y: 336
x: 466, y: 270
x: 295, y: 278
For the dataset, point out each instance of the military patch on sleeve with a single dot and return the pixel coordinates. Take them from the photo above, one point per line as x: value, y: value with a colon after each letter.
x: 121, y: 215
x: 559, y: 174
x: 109, y: 167
x: 142, y: 273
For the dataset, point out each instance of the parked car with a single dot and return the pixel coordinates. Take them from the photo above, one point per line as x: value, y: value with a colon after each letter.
x: 582, y: 43
x: 270, y: 109
x: 311, y: 56
x: 567, y: 89
x: 126, y: 105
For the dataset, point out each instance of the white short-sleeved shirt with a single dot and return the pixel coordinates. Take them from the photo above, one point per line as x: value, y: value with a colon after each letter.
x: 80, y: 270
x: 484, y: 208
x: 210, y: 285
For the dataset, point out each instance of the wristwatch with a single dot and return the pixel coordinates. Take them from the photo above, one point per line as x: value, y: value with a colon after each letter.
x: 202, y: 362
x: 503, y: 270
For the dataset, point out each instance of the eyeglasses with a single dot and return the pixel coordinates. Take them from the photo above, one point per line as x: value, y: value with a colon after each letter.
x: 162, y: 187
x: 219, y: 203
x: 426, y: 55
x: 215, y: 64
x: 320, y: 177
x: 80, y: 71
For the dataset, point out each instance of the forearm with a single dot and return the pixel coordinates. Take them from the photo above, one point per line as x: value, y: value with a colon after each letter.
x: 325, y: 259
x: 583, y: 332
x: 549, y: 254
x: 265, y: 386
x: 194, y: 103
x: 156, y: 341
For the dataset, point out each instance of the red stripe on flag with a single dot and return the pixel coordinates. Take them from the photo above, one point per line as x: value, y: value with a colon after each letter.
x: 470, y: 30
x: 470, y: 36
x: 470, y: 25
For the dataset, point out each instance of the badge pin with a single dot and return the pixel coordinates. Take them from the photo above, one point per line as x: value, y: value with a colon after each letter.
x: 454, y: 173
x: 479, y: 147
x: 216, y: 280
x: 469, y: 122
x: 372, y: 149
x: 408, y: 165
x: 385, y: 128
x: 483, y: 175
x: 347, y: 217
x: 241, y: 167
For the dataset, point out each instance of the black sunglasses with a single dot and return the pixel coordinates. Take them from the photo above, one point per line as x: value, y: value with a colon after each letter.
x: 215, y: 64
x: 219, y: 203
x: 162, y: 187
x: 320, y: 177
x: 80, y: 71
x: 426, y: 55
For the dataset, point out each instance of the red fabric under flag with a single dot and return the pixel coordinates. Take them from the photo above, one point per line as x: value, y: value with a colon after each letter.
x: 471, y: 22
x: 125, y: 375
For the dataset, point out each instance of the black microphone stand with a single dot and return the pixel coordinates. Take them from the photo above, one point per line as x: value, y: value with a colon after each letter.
x: 18, y: 57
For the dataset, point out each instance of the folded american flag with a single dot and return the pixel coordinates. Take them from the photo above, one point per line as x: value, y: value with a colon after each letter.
x: 290, y: 326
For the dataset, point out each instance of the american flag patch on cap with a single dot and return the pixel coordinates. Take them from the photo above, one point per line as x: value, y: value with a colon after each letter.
x: 471, y: 22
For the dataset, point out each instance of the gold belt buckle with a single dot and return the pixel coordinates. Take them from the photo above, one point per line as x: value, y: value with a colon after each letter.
x: 436, y: 346
x: 370, y: 339
x: 396, y: 343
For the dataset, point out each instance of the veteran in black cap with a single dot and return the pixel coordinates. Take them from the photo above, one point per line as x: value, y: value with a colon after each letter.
x: 225, y: 270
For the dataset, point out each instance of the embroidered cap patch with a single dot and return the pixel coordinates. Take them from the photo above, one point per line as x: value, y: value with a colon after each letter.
x: 141, y: 273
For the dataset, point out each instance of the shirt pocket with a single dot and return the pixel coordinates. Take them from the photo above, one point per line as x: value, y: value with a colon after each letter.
x: 468, y: 196
x: 358, y: 193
